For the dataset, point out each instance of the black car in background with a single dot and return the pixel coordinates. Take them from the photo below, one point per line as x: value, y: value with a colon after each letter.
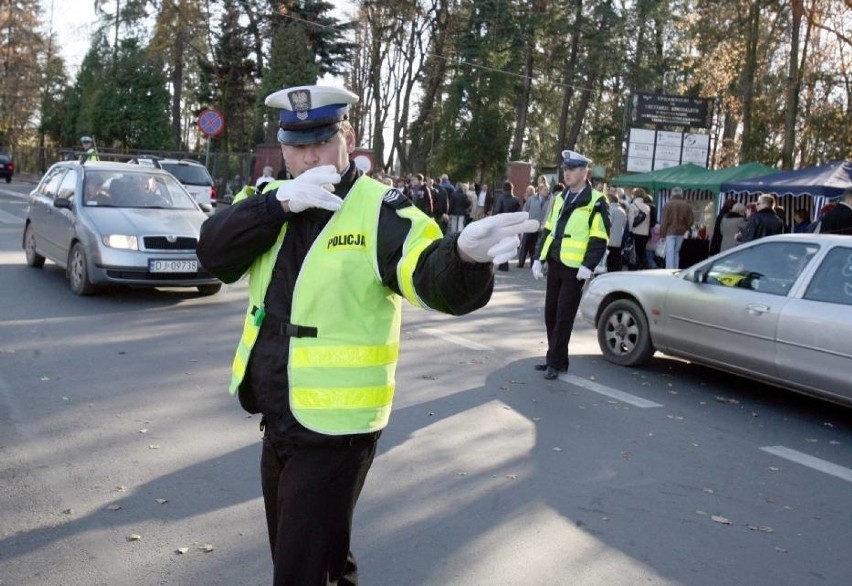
x: 7, y: 167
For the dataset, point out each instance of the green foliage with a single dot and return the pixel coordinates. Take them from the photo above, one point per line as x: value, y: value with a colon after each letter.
x: 131, y: 110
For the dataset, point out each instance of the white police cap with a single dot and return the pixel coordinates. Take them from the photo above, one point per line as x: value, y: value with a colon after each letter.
x: 572, y: 159
x: 310, y: 113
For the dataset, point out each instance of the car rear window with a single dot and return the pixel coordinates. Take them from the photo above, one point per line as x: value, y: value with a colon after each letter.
x: 5, y: 158
x: 188, y: 174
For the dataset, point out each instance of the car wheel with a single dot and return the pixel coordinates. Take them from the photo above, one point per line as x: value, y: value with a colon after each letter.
x: 78, y: 271
x: 34, y: 259
x: 209, y: 289
x: 624, y: 335
x: 8, y: 178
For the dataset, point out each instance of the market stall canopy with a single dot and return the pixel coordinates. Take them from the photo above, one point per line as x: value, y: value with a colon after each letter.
x: 651, y: 181
x: 692, y: 177
x: 712, y: 180
x: 825, y: 181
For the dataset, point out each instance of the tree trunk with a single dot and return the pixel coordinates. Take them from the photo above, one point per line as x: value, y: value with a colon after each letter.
x: 748, y: 148
x: 570, y: 68
x: 793, y: 85
x: 523, y: 101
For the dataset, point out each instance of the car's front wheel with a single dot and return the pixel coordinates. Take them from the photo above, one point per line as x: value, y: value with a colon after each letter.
x: 209, y: 289
x: 78, y: 271
x: 623, y: 334
x: 34, y: 259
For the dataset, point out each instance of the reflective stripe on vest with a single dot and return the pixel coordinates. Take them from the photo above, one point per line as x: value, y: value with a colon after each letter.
x: 575, y: 239
x: 342, y: 381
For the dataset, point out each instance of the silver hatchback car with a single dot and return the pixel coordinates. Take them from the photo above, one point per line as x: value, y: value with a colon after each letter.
x: 778, y: 309
x: 116, y: 223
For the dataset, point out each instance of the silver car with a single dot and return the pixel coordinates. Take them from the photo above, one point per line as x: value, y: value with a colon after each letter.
x: 778, y: 309
x: 116, y: 223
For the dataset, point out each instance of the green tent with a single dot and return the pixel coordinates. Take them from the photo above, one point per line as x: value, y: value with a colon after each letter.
x: 692, y: 177
x: 652, y: 180
x: 712, y: 180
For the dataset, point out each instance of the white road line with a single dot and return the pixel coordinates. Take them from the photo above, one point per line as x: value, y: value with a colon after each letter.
x: 11, y: 193
x: 455, y: 339
x: 810, y: 461
x: 7, y: 218
x: 608, y: 391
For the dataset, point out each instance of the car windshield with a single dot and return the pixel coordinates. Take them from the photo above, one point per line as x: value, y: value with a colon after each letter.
x: 135, y: 189
x: 188, y: 174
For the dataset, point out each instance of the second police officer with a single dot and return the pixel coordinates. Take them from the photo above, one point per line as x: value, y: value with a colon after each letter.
x: 573, y: 242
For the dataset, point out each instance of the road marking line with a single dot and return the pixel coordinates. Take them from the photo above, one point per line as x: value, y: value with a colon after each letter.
x: 7, y: 218
x: 15, y: 194
x: 810, y: 461
x: 455, y: 339
x: 608, y: 391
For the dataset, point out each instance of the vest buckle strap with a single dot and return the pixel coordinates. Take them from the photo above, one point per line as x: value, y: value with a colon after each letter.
x: 295, y: 331
x: 258, y: 313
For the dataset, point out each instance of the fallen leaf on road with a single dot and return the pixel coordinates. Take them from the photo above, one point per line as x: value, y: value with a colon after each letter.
x: 181, y: 550
x: 134, y: 537
x: 45, y: 378
x: 727, y: 400
x: 68, y: 512
x: 120, y: 488
x: 557, y: 449
x: 781, y: 549
x: 162, y: 501
x: 536, y: 418
x: 154, y: 447
x: 114, y: 508
x: 763, y: 528
x: 206, y: 548
x: 774, y: 468
x: 512, y: 476
x: 709, y: 491
x: 722, y: 520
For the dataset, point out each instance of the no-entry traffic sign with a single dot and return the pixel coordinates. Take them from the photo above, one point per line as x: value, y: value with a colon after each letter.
x: 211, y: 122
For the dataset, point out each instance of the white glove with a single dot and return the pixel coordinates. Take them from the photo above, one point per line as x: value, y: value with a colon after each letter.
x: 495, y: 238
x: 537, y: 270
x: 307, y: 191
x: 583, y: 273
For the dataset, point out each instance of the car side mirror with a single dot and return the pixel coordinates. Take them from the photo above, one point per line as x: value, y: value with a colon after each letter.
x: 62, y: 202
x: 699, y: 276
x: 206, y: 208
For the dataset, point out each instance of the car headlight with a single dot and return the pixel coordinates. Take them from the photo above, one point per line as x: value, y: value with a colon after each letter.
x: 121, y: 241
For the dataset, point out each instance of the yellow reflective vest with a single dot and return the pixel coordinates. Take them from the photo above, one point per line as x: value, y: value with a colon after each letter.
x: 581, y: 225
x: 341, y: 368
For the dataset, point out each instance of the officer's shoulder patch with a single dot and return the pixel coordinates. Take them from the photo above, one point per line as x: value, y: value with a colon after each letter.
x: 395, y: 199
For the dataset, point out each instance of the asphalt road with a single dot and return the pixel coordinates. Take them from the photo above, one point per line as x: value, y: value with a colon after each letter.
x: 115, y: 422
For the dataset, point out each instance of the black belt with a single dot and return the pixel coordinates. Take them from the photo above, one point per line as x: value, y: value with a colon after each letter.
x: 279, y: 325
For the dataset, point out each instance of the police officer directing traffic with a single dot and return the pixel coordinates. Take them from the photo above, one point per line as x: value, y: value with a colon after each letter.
x: 572, y: 244
x: 329, y: 255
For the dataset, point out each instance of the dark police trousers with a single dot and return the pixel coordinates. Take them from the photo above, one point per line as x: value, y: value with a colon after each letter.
x: 562, y: 298
x: 309, y: 491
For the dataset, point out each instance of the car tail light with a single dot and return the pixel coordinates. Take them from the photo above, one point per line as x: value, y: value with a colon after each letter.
x: 10, y: 166
x: 213, y: 193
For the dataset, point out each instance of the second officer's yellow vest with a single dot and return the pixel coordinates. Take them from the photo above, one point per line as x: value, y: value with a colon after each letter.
x: 342, y: 380
x: 581, y: 225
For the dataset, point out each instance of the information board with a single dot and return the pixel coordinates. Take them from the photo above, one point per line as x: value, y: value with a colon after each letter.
x: 668, y: 110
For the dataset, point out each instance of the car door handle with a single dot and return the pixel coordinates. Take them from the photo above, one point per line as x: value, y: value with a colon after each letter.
x: 756, y: 309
